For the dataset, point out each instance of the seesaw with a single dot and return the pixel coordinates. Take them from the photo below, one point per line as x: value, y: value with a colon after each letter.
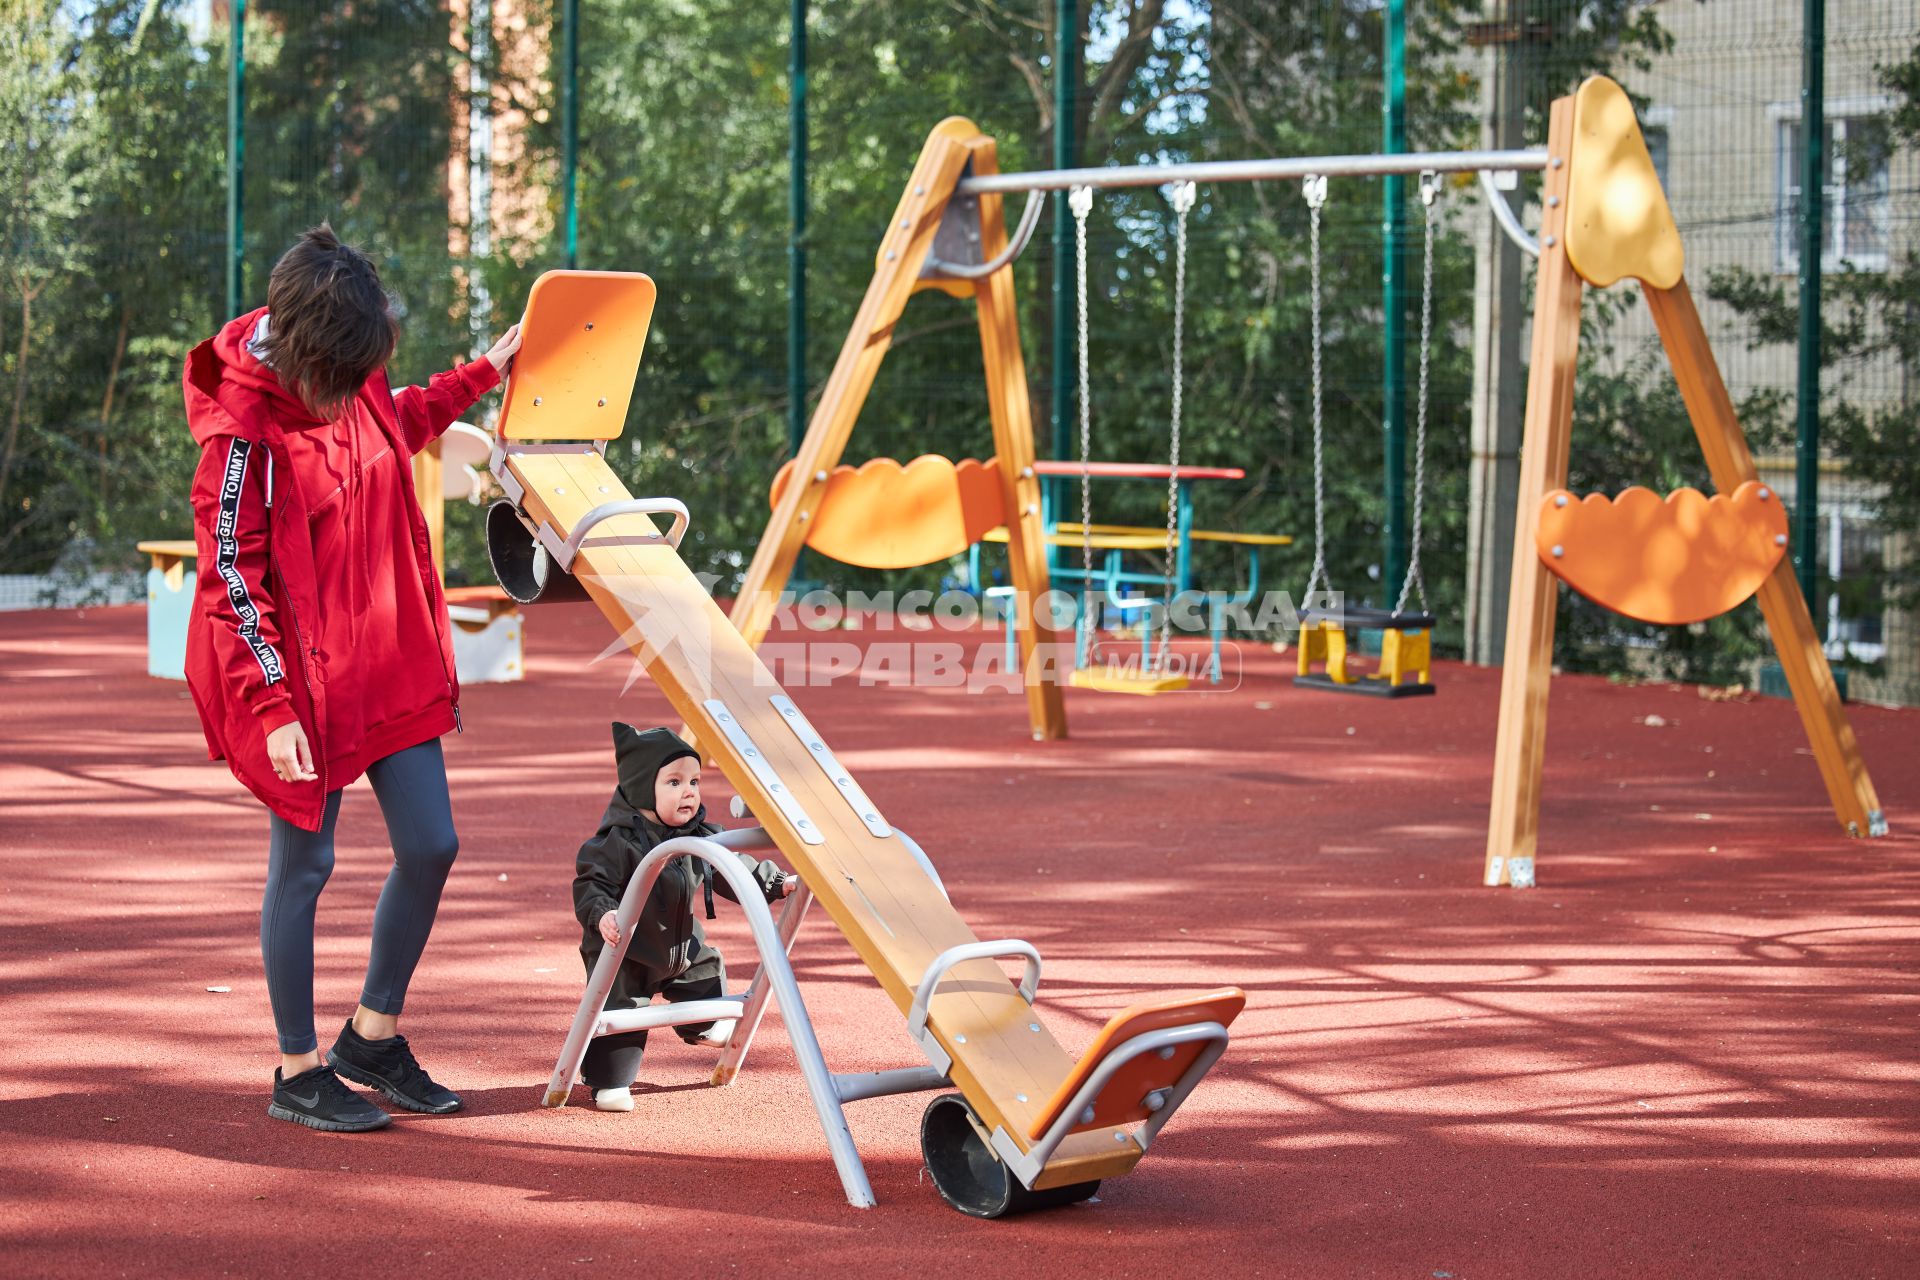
x: 1028, y: 1126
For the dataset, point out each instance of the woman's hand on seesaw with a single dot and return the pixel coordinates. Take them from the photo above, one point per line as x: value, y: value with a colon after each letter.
x: 610, y: 929
x: 502, y: 352
x: 289, y: 754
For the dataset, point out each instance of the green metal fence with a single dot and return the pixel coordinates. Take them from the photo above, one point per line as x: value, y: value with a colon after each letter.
x: 470, y: 145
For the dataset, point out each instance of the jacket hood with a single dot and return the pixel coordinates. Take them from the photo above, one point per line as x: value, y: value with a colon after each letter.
x: 230, y: 393
x: 640, y: 756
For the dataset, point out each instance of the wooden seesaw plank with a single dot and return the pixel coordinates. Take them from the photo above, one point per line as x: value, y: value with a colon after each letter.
x: 1004, y: 1060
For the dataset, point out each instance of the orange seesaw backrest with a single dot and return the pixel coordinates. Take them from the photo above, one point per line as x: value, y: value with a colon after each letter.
x: 1123, y: 1099
x: 583, y: 334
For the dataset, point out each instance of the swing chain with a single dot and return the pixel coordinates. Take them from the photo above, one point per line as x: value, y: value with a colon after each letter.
x: 1080, y: 201
x: 1415, y: 582
x: 1314, y: 187
x: 1184, y: 194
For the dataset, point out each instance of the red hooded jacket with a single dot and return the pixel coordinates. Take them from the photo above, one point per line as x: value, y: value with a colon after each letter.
x: 317, y: 597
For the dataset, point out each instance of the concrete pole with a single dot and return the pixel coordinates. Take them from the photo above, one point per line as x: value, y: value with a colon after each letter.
x: 1499, y: 376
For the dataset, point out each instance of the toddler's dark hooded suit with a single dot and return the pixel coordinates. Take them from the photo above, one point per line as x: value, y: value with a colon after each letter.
x: 668, y: 953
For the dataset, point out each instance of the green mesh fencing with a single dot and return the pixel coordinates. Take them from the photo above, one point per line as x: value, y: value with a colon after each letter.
x: 430, y: 133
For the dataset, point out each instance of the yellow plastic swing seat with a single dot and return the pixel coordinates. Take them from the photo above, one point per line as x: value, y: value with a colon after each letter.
x: 886, y: 515
x: 1135, y: 681
x: 1681, y: 559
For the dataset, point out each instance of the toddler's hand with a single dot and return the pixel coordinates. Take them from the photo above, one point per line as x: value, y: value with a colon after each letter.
x: 610, y: 928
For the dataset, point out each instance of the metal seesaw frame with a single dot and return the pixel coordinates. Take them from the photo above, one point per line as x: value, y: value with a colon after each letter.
x: 828, y: 1089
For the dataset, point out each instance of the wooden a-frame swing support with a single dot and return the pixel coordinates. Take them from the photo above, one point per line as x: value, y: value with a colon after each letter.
x: 1605, y: 218
x: 954, y: 150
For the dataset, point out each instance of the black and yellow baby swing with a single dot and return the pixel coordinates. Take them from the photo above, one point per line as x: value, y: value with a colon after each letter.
x: 1405, y: 669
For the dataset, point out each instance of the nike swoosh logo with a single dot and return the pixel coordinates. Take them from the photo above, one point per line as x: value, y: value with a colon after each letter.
x: 308, y: 1101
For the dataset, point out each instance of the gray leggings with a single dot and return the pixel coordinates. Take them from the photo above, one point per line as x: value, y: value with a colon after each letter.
x: 411, y: 786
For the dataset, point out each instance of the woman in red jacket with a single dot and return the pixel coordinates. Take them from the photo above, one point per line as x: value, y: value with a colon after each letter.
x: 320, y: 646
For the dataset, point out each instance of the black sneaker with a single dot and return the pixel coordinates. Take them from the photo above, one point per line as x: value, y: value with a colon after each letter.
x: 317, y: 1099
x: 389, y: 1066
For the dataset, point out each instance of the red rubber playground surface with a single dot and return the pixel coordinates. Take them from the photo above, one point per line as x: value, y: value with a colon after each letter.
x: 1691, y: 1052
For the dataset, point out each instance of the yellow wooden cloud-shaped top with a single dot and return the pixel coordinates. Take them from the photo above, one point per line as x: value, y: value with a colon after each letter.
x: 1618, y: 222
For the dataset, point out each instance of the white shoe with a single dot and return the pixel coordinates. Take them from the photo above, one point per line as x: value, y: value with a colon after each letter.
x: 613, y: 1099
x: 717, y: 1035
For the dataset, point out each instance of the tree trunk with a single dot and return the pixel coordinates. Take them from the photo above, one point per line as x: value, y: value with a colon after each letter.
x: 27, y: 294
x: 106, y: 402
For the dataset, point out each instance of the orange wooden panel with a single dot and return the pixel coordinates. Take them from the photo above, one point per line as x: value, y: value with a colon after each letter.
x: 1684, y: 559
x: 1120, y: 1102
x: 584, y: 332
x: 885, y: 515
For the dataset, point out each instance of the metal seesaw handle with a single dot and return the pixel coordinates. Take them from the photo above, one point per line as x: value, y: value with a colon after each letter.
x: 625, y: 507
x: 1029, y: 981
x: 1028, y: 1164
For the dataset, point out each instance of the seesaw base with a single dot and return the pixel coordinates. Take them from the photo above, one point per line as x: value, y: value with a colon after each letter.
x: 969, y: 1176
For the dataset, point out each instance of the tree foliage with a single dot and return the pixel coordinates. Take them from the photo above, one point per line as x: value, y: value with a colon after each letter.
x: 112, y: 225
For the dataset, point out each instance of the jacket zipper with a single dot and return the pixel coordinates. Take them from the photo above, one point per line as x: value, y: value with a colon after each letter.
x: 683, y: 950
x: 293, y: 621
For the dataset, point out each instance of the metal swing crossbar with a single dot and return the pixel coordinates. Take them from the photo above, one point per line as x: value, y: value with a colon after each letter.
x: 1525, y: 159
x: 1496, y: 169
x: 1100, y: 1092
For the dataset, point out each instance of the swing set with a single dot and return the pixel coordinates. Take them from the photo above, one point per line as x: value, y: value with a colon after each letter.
x: 1604, y: 217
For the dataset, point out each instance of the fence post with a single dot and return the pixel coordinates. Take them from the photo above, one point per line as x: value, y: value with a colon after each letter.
x: 797, y: 228
x: 570, y: 128
x: 1393, y: 236
x: 236, y: 156
x: 1813, y: 187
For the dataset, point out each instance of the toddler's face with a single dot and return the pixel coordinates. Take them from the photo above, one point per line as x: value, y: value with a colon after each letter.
x: 676, y: 792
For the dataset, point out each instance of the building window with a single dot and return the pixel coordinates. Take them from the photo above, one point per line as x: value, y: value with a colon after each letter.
x: 1657, y: 128
x: 1656, y: 136
x: 1855, y: 204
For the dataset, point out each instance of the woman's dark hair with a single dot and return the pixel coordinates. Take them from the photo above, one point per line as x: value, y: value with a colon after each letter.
x: 331, y: 324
